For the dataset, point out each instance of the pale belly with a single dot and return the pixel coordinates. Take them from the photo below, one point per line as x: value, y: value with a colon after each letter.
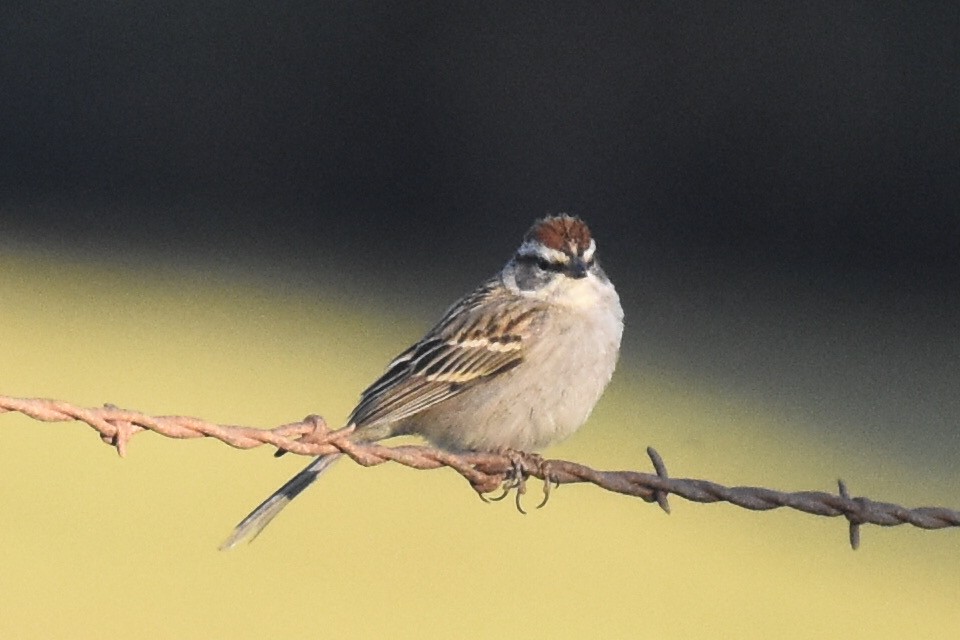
x: 540, y: 402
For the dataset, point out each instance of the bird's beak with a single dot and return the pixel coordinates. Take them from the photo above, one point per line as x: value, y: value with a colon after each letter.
x: 578, y: 268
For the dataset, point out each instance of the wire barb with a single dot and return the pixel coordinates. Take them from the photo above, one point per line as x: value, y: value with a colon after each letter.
x: 486, y: 472
x: 661, y: 468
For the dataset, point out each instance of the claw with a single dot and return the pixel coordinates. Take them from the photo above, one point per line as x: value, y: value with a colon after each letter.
x: 549, y: 482
x: 521, y: 489
x: 504, y: 494
x: 516, y: 477
x: 520, y: 484
x: 546, y: 492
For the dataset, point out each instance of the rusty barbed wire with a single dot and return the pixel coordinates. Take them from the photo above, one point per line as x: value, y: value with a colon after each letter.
x: 486, y: 471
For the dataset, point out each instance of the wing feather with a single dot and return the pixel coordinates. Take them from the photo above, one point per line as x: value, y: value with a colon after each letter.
x: 461, y: 351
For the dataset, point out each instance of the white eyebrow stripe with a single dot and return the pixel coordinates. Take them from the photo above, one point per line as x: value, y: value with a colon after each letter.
x: 537, y: 250
x: 590, y: 250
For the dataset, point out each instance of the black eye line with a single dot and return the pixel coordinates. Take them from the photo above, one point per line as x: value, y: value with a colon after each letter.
x: 547, y: 265
x: 541, y: 263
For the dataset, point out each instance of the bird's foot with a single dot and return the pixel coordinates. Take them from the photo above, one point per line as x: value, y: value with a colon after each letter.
x: 522, y: 466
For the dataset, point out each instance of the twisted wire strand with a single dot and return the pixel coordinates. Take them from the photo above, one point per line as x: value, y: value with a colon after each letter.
x: 486, y: 472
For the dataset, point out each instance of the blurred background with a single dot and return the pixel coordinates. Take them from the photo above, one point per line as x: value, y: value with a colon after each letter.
x: 241, y: 211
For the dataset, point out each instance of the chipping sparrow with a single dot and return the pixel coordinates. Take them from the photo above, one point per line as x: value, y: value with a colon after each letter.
x: 517, y: 364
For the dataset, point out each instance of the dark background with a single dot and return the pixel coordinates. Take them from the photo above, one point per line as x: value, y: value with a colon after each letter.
x: 775, y: 187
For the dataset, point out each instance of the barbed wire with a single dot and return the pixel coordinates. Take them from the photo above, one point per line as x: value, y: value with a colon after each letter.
x: 486, y: 472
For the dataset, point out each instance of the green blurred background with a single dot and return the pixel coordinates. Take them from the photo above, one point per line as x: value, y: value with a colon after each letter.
x: 242, y: 212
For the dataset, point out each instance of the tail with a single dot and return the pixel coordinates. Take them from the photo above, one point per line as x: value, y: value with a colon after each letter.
x: 251, y: 526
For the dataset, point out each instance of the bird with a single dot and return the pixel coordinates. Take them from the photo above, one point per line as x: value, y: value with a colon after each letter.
x: 515, y: 365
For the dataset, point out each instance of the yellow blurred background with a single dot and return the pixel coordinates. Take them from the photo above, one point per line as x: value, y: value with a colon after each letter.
x: 95, y: 546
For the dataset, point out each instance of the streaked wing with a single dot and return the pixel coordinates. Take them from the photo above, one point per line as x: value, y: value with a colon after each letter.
x: 463, y: 350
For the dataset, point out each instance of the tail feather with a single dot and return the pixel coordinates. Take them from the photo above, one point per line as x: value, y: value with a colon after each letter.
x: 251, y: 526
